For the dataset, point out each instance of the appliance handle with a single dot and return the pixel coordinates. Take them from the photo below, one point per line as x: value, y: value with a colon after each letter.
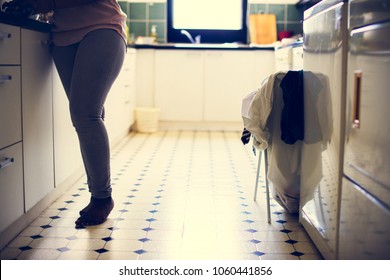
x: 5, y: 78
x: 6, y: 162
x: 4, y: 35
x: 356, y: 117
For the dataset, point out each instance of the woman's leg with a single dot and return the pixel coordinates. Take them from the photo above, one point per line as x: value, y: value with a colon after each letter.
x: 87, y: 81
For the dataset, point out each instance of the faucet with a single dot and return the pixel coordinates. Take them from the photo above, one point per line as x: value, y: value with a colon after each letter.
x: 188, y: 35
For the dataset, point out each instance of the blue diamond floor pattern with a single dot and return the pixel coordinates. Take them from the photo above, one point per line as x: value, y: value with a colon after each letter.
x: 179, y: 195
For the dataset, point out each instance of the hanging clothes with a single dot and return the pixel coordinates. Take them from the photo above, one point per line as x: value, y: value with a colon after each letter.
x: 292, y: 122
x: 290, y: 162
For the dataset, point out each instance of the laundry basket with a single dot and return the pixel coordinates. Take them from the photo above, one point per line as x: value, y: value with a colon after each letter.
x: 146, y: 119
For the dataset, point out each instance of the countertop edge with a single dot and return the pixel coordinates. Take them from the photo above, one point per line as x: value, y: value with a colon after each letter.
x: 206, y: 47
x: 25, y: 23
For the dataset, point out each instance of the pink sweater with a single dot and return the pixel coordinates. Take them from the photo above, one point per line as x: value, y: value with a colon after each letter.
x: 70, y: 25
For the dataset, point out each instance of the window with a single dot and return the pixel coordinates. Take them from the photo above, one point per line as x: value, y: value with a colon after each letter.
x: 214, y: 21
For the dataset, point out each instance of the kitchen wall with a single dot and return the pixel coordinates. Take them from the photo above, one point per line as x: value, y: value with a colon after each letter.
x: 142, y: 15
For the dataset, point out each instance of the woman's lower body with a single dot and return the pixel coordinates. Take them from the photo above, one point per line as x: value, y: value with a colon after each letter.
x: 87, y: 70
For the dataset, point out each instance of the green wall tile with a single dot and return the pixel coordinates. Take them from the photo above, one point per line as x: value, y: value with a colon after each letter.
x: 138, y: 28
x: 258, y: 8
x: 161, y: 30
x: 293, y: 14
x: 137, y: 11
x: 157, y: 11
x: 124, y: 6
x: 278, y: 10
x: 297, y: 28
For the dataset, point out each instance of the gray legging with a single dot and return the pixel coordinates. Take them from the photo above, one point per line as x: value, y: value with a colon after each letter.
x: 87, y: 70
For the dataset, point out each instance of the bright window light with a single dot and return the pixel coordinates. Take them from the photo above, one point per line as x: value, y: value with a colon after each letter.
x: 207, y: 14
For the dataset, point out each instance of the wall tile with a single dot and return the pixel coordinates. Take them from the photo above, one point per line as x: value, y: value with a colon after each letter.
x: 258, y: 8
x: 293, y: 14
x: 138, y: 28
x: 279, y: 11
x: 142, y: 15
x: 297, y: 28
x: 157, y: 11
x: 137, y: 11
x: 161, y: 30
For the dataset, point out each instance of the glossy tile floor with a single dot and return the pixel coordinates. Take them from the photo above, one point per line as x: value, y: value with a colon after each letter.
x: 180, y: 195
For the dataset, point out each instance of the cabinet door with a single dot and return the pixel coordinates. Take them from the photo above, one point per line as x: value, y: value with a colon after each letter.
x: 10, y: 106
x: 9, y: 44
x: 67, y: 160
x: 37, y: 116
x: 129, y: 85
x: 145, y: 78
x: 229, y: 76
x: 297, y: 58
x: 179, y: 84
x: 11, y: 185
x: 120, y: 101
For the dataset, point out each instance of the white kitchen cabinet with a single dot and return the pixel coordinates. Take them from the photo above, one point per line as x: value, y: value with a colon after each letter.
x: 228, y: 77
x: 11, y: 159
x: 179, y: 84
x: 297, y: 58
x: 11, y: 185
x: 263, y: 65
x: 207, y: 85
x: 37, y: 116
x: 10, y: 106
x: 145, y: 78
x: 9, y: 44
x: 120, y: 103
x: 67, y: 159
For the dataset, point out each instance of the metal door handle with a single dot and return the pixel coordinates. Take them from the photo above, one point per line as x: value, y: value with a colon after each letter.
x: 5, y: 78
x: 5, y: 35
x: 357, y: 99
x: 6, y: 162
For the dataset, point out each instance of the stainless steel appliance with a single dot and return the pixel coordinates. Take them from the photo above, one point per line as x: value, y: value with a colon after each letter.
x: 325, y: 55
x: 365, y: 199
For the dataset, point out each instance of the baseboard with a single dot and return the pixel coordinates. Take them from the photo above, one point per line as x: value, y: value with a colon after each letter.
x: 20, y: 224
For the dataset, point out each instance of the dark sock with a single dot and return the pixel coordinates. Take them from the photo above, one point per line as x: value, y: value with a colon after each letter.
x: 82, y: 211
x: 96, y: 212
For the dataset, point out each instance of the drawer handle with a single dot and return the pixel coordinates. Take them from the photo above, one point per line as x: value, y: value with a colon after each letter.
x: 6, y: 162
x: 357, y: 99
x: 5, y: 78
x: 5, y: 35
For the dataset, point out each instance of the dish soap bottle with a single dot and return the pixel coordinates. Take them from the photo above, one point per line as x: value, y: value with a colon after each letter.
x: 153, y: 33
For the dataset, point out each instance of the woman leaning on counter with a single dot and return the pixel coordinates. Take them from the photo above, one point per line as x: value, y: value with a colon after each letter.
x: 88, y: 50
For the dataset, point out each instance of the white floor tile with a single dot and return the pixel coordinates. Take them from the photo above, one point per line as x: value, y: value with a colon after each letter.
x: 179, y: 195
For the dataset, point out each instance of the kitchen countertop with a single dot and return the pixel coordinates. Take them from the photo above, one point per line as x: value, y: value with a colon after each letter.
x: 206, y: 46
x: 23, y: 22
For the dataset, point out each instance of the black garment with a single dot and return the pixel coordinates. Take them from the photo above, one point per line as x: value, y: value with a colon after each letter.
x: 292, y: 121
x: 246, y: 136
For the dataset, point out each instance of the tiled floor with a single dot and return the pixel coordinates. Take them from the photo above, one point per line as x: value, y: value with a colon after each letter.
x: 180, y: 195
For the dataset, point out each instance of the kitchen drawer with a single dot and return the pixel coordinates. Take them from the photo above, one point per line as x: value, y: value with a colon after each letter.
x: 10, y: 106
x: 11, y: 185
x: 9, y: 44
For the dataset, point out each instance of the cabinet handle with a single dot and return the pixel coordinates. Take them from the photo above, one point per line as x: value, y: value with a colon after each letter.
x: 4, y: 35
x: 45, y: 42
x: 6, y: 162
x: 5, y: 78
x: 357, y: 99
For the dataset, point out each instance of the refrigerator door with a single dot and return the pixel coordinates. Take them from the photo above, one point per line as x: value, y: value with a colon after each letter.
x: 367, y: 148
x: 365, y: 204
x: 325, y: 34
